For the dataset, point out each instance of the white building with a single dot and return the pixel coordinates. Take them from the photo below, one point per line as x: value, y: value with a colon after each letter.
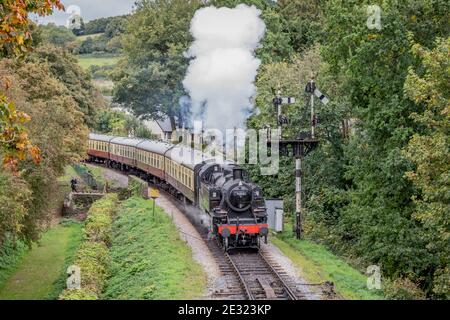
x: 163, y: 129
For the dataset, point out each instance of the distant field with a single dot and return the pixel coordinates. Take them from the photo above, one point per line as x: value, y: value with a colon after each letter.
x: 87, y: 60
x: 93, y: 36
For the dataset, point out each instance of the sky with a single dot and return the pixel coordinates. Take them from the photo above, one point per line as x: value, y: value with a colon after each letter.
x: 90, y: 9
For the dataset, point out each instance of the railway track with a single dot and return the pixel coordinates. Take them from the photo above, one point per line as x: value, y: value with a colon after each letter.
x: 260, y: 280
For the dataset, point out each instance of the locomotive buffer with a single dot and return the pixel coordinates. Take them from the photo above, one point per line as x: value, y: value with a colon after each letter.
x: 299, y: 147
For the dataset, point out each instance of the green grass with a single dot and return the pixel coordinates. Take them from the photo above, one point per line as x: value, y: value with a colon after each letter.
x: 97, y: 173
x: 74, y: 242
x: 318, y: 265
x: 69, y: 173
x: 149, y: 261
x: 36, y: 276
x: 87, y: 60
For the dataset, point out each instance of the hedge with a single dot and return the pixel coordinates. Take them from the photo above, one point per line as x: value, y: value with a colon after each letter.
x: 137, y: 187
x: 92, y: 256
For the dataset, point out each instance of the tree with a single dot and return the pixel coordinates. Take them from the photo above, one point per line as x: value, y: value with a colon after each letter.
x: 121, y: 124
x: 64, y: 67
x: 429, y: 150
x: 15, y: 40
x: 55, y: 35
x: 16, y: 26
x: 56, y: 127
x: 302, y: 21
x: 377, y: 223
x: 14, y: 202
x: 150, y: 77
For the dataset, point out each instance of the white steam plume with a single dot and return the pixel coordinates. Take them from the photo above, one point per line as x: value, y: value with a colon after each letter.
x: 220, y: 78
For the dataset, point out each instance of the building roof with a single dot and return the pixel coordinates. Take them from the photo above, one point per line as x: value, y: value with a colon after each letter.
x: 167, y: 124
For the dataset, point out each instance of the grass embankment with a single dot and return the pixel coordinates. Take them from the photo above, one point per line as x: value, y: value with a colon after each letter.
x: 87, y: 60
x: 92, y: 256
x: 36, y: 277
x: 81, y: 172
x: 149, y: 261
x: 318, y: 265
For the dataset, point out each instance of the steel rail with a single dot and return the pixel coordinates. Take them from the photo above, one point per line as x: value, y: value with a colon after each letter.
x: 288, y: 290
x: 248, y: 292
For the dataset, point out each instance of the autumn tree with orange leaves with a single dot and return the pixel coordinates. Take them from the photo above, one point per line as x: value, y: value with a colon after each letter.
x: 15, y: 41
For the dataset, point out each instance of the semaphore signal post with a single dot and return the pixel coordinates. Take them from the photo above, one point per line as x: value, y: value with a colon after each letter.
x: 299, y: 147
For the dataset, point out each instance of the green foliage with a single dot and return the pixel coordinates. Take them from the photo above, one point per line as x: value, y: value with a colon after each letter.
x: 149, y: 79
x: 377, y: 222
x: 59, y: 134
x: 121, y: 124
x: 80, y: 294
x: 302, y: 21
x: 403, y: 289
x: 52, y: 34
x: 359, y: 196
x: 137, y: 187
x: 99, y: 221
x: 15, y: 199
x: 149, y: 261
x: 429, y: 151
x: 110, y: 25
x: 92, y: 256
x: 64, y: 67
x: 11, y: 254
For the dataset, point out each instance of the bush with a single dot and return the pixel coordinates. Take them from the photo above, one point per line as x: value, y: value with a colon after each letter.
x: 11, y: 253
x: 92, y: 256
x: 78, y: 294
x: 138, y: 187
x: 403, y: 289
x: 99, y: 221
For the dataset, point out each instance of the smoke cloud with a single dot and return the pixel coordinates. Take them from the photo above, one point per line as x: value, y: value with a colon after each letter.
x: 220, y: 78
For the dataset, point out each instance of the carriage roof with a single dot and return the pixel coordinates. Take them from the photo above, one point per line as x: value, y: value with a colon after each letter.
x: 100, y: 137
x: 158, y: 147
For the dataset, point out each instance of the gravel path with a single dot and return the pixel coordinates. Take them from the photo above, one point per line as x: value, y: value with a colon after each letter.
x: 291, y: 270
x: 193, y: 238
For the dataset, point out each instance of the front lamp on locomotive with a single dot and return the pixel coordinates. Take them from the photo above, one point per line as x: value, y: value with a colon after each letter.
x: 236, y: 206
